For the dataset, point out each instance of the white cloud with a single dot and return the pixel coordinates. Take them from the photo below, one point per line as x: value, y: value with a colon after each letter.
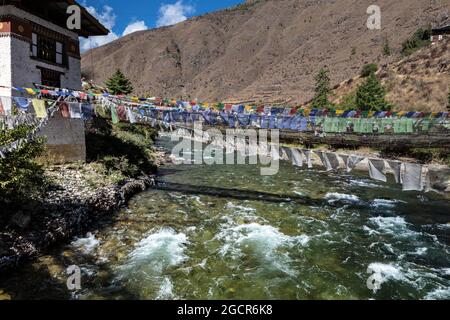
x: 108, y: 18
x: 170, y: 14
x: 135, y: 26
x: 94, y: 42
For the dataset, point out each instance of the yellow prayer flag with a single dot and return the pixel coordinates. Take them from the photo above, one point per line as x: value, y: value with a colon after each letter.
x: 39, y: 108
x: 30, y: 91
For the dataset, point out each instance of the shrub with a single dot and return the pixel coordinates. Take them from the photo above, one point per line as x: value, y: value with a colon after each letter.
x: 386, y: 48
x: 448, y: 99
x: 126, y: 148
x: 419, y: 39
x: 20, y: 175
x: 368, y: 69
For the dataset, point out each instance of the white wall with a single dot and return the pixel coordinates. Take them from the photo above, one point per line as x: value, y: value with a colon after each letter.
x: 22, y: 68
x: 25, y: 71
x: 5, y: 69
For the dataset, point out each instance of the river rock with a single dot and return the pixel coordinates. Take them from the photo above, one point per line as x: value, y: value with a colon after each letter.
x: 20, y: 220
x: 4, y: 295
x: 439, y: 178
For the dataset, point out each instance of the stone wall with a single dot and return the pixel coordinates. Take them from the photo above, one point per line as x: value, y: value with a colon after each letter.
x: 66, y: 140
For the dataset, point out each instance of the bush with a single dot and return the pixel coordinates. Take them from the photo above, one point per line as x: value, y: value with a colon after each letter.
x: 386, y: 48
x: 119, y: 164
x: 20, y: 175
x: 420, y: 39
x: 448, y: 99
x: 125, y: 148
x: 368, y: 69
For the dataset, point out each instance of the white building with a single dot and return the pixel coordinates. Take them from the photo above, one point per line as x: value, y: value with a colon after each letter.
x: 36, y: 47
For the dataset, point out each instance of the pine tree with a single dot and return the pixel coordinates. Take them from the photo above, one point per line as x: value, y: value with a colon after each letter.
x: 370, y: 95
x: 348, y: 102
x: 119, y: 84
x: 322, y: 90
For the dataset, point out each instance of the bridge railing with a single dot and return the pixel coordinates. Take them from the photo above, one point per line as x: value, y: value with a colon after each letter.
x: 311, y: 124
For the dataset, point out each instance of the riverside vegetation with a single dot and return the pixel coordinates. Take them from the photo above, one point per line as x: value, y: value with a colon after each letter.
x: 44, y: 203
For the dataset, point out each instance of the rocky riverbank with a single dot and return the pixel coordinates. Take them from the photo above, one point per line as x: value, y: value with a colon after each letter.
x: 77, y: 198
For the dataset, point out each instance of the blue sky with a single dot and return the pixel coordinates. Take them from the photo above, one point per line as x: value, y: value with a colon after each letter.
x: 123, y: 17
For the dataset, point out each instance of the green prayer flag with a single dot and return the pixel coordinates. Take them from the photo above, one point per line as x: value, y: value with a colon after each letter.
x: 409, y: 125
x: 114, y: 116
x: 357, y: 125
x: 328, y: 125
x: 342, y: 125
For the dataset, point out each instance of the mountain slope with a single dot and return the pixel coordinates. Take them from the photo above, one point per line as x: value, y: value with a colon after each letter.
x: 418, y: 82
x: 265, y: 51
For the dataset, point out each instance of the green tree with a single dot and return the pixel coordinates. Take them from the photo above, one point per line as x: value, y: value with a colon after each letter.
x: 348, y: 102
x: 119, y: 84
x: 371, y: 95
x: 368, y: 69
x: 322, y: 90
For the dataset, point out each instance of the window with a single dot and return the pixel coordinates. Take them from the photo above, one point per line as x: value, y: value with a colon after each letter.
x: 34, y: 45
x: 47, y: 49
x: 59, y: 52
x: 50, y: 78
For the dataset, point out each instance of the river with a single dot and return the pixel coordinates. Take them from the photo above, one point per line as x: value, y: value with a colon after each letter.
x: 226, y: 232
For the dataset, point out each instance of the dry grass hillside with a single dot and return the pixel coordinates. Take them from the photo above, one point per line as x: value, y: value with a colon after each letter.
x: 262, y: 51
x: 419, y: 82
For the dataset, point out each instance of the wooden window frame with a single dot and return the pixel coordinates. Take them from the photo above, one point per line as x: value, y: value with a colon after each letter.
x: 46, y: 49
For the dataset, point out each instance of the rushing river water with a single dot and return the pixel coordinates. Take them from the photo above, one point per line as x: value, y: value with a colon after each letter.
x: 226, y: 232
